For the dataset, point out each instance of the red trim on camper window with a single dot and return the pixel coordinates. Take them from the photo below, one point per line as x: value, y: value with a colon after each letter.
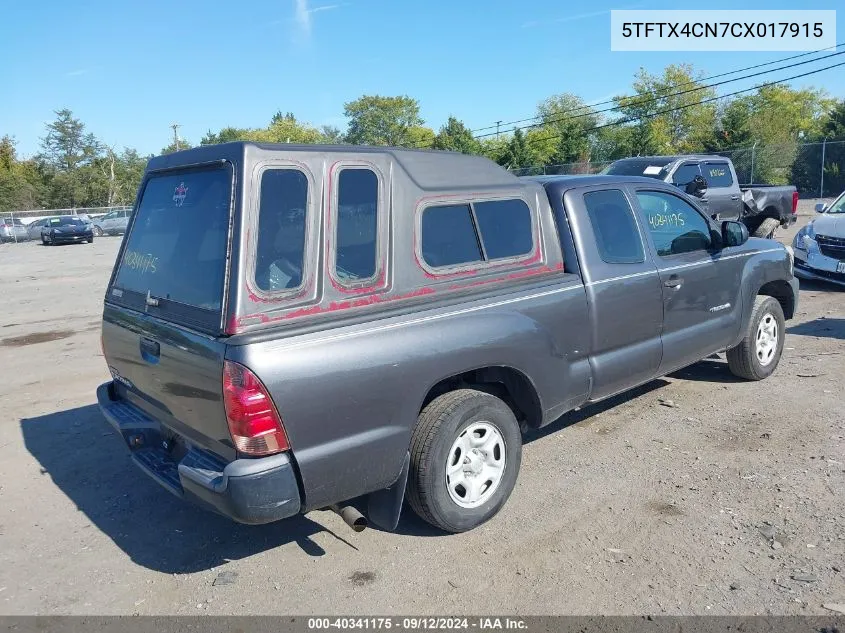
x: 380, y: 281
x: 534, y: 257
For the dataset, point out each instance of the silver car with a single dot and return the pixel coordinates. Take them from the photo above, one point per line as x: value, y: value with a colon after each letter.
x: 820, y: 246
x: 13, y: 230
x: 113, y: 223
x: 33, y: 229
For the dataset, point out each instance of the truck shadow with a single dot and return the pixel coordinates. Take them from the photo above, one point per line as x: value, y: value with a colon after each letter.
x: 79, y: 451
x: 711, y: 369
x: 821, y: 328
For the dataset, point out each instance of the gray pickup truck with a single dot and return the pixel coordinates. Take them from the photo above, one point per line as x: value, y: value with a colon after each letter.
x: 713, y: 180
x: 291, y: 328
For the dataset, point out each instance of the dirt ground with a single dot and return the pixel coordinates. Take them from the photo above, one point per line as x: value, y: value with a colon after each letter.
x: 730, y: 501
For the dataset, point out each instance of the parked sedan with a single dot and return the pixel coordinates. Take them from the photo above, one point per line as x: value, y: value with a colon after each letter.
x: 66, y: 229
x: 820, y: 246
x: 33, y: 229
x: 12, y: 230
x: 113, y: 223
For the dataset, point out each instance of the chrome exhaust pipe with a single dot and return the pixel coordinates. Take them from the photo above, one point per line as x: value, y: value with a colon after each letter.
x: 351, y: 517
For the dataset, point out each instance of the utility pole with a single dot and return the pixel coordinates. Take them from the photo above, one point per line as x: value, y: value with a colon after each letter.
x: 497, y: 128
x: 175, y: 127
x: 821, y: 185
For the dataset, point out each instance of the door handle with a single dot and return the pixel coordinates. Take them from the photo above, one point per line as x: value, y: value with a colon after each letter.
x: 734, y: 197
x: 674, y: 283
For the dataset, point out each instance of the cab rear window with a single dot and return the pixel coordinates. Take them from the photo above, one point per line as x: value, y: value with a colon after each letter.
x: 176, y: 250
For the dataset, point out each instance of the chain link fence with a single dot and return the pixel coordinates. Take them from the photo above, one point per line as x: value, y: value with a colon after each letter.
x: 37, y: 214
x: 816, y: 169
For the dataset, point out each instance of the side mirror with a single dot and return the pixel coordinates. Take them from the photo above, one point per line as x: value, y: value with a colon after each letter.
x: 734, y: 233
x: 821, y: 207
x: 697, y: 187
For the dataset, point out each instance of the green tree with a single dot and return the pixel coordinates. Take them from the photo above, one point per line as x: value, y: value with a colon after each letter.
x: 517, y: 155
x: 331, y: 135
x: 20, y: 183
x: 377, y: 120
x: 494, y: 148
x: 834, y: 124
x: 454, y: 136
x: 420, y: 137
x: 175, y: 146
x: 286, y: 129
x: 225, y: 135
x: 666, y: 113
x: 568, y: 121
x: 66, y: 145
x: 807, y: 168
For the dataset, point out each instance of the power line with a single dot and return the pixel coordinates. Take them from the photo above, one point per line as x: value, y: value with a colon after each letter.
x: 645, y: 100
x: 689, y: 105
x: 686, y: 83
x: 638, y: 102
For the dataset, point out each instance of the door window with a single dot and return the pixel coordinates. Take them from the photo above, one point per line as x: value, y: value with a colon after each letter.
x: 685, y: 174
x: 617, y: 236
x: 675, y: 225
x: 717, y: 174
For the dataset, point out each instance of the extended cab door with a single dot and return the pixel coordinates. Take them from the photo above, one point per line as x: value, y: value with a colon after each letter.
x: 622, y: 285
x: 700, y: 285
x: 723, y: 195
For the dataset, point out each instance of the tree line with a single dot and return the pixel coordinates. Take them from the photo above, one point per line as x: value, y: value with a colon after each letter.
x: 671, y: 112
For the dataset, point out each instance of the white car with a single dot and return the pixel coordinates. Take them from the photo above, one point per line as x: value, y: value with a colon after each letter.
x: 820, y: 246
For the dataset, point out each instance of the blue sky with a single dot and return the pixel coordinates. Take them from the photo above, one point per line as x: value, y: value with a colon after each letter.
x: 130, y: 69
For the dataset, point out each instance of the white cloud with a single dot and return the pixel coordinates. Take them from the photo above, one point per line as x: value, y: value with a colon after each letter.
x: 303, y: 14
x: 303, y: 17
x: 76, y: 73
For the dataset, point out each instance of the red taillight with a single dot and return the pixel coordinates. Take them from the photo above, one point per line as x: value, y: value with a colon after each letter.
x: 794, y: 202
x: 254, y: 423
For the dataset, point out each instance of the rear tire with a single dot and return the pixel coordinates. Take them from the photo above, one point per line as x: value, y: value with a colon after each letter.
x: 758, y: 354
x: 767, y: 228
x: 475, y: 437
x: 98, y: 232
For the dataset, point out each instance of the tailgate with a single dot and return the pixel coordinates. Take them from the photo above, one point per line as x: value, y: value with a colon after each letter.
x: 164, y: 305
x: 175, y: 375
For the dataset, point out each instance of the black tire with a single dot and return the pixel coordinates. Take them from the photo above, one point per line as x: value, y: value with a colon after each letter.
x: 767, y: 228
x: 743, y: 359
x: 98, y: 232
x: 439, y: 426
x: 91, y: 241
x: 43, y: 241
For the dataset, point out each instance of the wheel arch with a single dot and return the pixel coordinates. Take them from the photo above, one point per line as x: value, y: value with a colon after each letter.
x: 781, y: 290
x: 507, y: 383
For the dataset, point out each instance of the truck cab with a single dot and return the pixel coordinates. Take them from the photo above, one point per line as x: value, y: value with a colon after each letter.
x: 712, y: 181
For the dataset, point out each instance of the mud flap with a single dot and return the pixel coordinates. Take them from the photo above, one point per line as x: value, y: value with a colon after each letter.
x: 385, y: 506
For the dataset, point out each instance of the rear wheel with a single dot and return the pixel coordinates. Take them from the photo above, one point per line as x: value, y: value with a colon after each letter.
x: 759, y: 352
x: 767, y: 228
x: 98, y: 232
x: 466, y: 450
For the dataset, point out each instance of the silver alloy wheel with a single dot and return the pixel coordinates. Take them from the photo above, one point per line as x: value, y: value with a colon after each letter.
x: 766, y: 341
x: 476, y: 464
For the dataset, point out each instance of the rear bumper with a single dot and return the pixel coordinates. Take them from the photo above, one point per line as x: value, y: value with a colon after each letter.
x: 252, y: 491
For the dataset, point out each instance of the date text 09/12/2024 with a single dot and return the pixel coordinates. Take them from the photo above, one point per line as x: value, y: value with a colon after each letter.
x: 418, y: 623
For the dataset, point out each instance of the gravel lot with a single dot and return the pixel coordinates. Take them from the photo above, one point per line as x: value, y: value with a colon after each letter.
x: 731, y: 501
